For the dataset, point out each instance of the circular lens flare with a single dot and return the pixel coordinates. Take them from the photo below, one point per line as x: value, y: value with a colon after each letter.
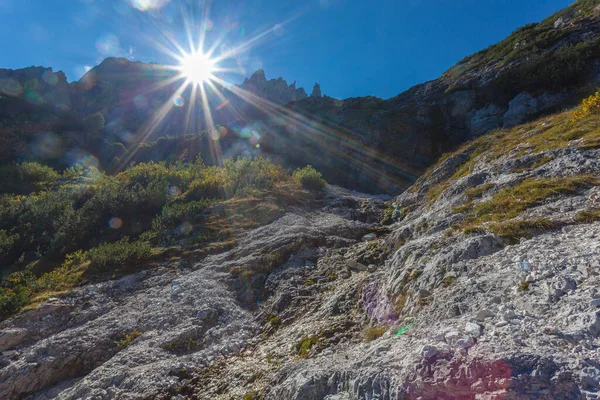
x: 197, y: 67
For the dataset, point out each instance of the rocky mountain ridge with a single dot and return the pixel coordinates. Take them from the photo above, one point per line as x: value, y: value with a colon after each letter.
x: 539, y: 69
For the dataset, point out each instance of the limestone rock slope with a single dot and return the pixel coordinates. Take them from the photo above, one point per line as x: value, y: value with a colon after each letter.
x: 480, y: 282
x: 136, y: 336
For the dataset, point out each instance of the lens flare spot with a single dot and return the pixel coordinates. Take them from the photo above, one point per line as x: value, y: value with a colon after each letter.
x: 140, y: 102
x: 403, y: 330
x: 87, y: 161
x: 225, y: 49
x: 10, y: 87
x: 108, y: 44
x: 208, y: 25
x: 34, y: 97
x: 215, y: 135
x: 178, y: 101
x: 115, y: 223
x: 246, y: 132
x: 185, y: 228
x: 50, y: 78
x: 145, y: 5
x: 222, y: 131
x: 47, y: 145
x: 174, y: 191
x: 257, y: 145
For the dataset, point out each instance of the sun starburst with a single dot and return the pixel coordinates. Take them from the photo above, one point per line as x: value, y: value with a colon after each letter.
x: 197, y: 68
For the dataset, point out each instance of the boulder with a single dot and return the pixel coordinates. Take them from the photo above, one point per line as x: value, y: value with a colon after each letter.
x: 519, y: 108
x: 11, y: 338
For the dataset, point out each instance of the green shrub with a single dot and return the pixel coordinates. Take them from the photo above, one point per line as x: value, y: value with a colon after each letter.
x: 564, y: 67
x: 12, y: 299
x: 94, y: 122
x: 210, y: 186
x: 246, y: 173
x: 7, y: 241
x: 26, y: 178
x: 309, y: 178
x: 118, y: 255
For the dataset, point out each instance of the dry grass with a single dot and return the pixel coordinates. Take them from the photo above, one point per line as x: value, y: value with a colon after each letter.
x: 555, y: 132
x: 516, y: 229
x: 587, y: 216
x: 511, y: 202
x: 374, y: 332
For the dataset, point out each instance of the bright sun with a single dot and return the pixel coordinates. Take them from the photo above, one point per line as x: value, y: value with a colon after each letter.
x: 197, y: 68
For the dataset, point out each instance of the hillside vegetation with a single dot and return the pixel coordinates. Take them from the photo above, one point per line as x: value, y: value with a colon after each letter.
x: 60, y: 229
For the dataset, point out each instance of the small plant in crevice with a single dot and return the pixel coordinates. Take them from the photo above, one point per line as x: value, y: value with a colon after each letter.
x: 126, y: 338
x: 251, y: 396
x: 448, y: 281
x: 274, y: 321
x: 305, y: 344
x: 524, y: 286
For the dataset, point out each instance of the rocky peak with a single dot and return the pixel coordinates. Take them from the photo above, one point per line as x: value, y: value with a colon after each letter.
x: 259, y: 76
x: 316, y: 92
x: 275, y: 90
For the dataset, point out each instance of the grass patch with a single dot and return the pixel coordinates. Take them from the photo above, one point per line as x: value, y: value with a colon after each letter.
x: 250, y: 396
x: 542, y: 161
x: 305, y: 345
x: 587, y: 216
x: 274, y: 321
x: 511, y: 202
x: 549, y: 133
x: 477, y: 192
x: 448, y: 281
x: 516, y: 229
x: 375, y: 332
x: 463, y: 208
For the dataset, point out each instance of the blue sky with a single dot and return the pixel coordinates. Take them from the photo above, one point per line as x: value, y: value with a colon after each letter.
x: 352, y: 48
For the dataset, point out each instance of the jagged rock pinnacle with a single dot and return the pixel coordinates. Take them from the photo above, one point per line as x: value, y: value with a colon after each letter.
x: 316, y: 92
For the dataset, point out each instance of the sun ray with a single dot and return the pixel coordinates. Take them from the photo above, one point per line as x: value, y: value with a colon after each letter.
x: 199, y: 71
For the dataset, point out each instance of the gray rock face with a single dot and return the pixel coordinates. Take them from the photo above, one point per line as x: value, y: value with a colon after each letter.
x: 37, y: 85
x: 524, y: 106
x: 519, y: 108
x: 485, y: 119
x: 11, y: 338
